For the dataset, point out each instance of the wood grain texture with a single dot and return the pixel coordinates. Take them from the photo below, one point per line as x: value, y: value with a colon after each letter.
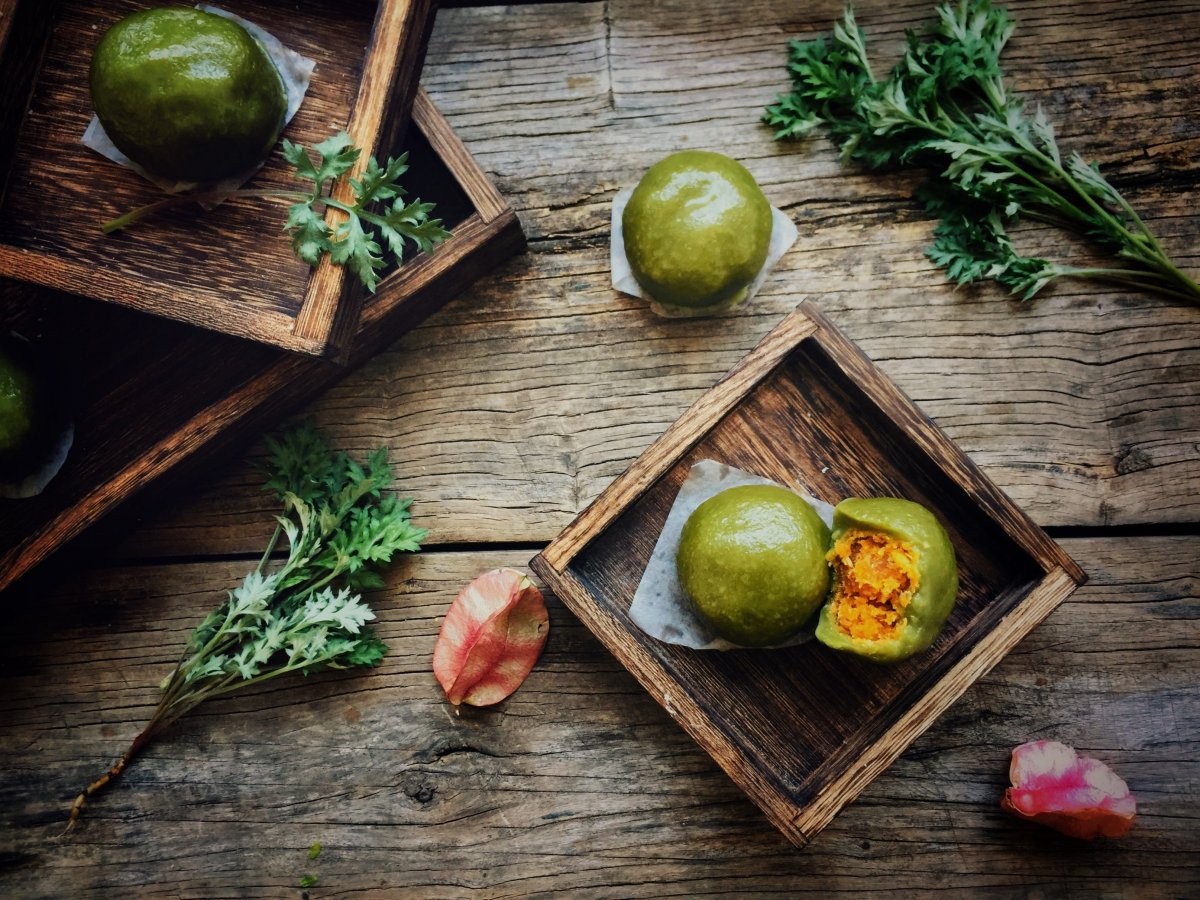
x: 488, y: 202
x: 7, y: 10
x: 378, y: 121
x: 174, y: 395
x: 24, y: 31
x: 177, y: 263
x: 512, y: 409
x: 913, y: 721
x: 679, y: 438
x: 901, y: 414
x: 580, y: 783
x: 803, y: 730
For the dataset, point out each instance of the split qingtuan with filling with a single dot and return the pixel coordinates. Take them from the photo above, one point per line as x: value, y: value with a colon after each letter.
x: 895, y: 579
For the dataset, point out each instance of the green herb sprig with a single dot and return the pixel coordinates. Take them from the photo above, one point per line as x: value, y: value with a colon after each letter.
x: 303, y: 614
x: 350, y: 243
x: 379, y: 211
x: 946, y: 107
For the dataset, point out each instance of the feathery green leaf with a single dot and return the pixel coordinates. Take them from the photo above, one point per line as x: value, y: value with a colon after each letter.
x: 945, y: 107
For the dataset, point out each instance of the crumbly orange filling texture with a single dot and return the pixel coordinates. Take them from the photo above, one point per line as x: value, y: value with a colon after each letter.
x: 875, y: 577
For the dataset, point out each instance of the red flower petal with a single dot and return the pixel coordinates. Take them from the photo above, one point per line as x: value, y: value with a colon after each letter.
x: 1076, y: 795
x: 492, y: 635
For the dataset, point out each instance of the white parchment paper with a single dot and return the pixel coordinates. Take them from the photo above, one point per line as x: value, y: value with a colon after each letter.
x: 295, y: 70
x: 783, y: 235
x: 660, y: 607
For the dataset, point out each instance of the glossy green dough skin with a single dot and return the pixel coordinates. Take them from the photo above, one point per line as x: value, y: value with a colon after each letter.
x: 752, y: 560
x: 937, y: 569
x: 696, y: 230
x: 18, y: 407
x: 186, y: 94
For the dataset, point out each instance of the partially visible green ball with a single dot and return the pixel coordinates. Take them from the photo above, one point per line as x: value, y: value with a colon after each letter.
x: 187, y: 94
x: 18, y: 406
x: 696, y: 230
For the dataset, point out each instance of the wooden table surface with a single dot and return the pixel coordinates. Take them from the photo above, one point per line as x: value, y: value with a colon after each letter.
x: 511, y: 409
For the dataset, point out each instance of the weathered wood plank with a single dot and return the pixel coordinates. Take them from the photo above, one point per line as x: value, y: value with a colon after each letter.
x: 174, y: 397
x: 514, y: 407
x: 58, y: 193
x: 579, y: 783
x: 787, y: 734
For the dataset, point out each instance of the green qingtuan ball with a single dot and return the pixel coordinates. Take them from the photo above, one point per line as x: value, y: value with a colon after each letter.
x: 752, y: 561
x: 19, y: 407
x: 187, y: 94
x: 696, y: 231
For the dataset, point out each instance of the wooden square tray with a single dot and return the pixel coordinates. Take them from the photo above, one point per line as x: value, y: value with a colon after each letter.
x: 231, y: 270
x: 152, y: 395
x: 804, y: 730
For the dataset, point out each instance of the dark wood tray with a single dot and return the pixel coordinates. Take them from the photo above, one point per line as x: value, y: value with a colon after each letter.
x: 804, y: 730
x: 231, y: 270
x: 152, y: 394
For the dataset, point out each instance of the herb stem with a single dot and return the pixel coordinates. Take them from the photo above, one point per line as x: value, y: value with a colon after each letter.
x: 231, y: 684
x: 1136, y: 278
x: 271, y: 544
x: 200, y: 198
x: 141, y: 212
x: 945, y: 105
x: 306, y: 615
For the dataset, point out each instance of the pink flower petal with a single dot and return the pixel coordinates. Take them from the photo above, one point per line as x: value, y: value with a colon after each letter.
x: 490, y: 639
x: 1076, y: 795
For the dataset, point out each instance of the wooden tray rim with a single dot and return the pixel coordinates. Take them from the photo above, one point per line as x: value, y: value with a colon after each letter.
x: 803, y: 323
x: 327, y: 317
x: 1061, y: 574
x: 492, y: 221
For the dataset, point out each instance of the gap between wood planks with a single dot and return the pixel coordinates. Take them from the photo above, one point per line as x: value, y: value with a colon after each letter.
x: 448, y: 4
x: 133, y: 562
x: 1057, y: 532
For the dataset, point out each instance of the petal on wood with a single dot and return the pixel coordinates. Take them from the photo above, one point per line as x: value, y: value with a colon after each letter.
x: 492, y: 635
x: 1077, y: 795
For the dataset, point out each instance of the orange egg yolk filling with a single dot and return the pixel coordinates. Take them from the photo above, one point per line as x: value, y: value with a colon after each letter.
x: 875, y: 578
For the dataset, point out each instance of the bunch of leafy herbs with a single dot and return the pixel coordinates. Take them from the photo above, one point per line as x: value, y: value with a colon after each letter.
x: 945, y: 107
x: 304, y: 613
x: 378, y: 212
